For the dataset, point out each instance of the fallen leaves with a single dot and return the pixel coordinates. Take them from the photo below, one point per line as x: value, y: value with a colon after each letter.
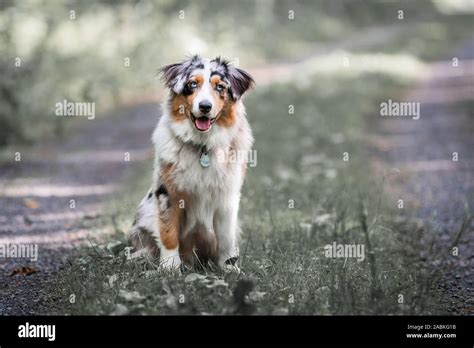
x: 131, y: 296
x: 120, y: 309
x: 257, y: 295
x: 112, y: 279
x: 30, y: 203
x: 193, y: 277
x: 209, y: 281
x: 152, y: 274
x: 24, y: 271
x: 216, y: 282
x: 171, y: 303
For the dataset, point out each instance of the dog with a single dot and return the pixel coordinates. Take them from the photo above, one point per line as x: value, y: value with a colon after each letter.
x: 190, y: 214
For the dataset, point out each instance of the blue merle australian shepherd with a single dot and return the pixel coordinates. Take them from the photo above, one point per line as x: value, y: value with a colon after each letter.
x: 190, y: 214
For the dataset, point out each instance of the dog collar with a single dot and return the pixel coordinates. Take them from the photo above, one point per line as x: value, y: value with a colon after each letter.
x: 204, y: 159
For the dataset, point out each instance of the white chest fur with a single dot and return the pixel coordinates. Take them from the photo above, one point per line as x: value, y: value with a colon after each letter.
x: 209, y: 190
x: 191, y: 176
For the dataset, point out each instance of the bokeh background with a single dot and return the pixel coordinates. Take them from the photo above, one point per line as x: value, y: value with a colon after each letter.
x: 80, y: 55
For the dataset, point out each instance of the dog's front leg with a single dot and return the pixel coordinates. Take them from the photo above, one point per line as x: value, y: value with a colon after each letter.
x: 169, y: 218
x: 227, y: 231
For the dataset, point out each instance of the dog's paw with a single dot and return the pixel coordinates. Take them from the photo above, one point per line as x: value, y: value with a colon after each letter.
x: 230, y: 265
x: 170, y: 263
x: 231, y: 268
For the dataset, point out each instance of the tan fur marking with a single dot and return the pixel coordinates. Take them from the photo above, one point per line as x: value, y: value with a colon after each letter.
x: 228, y: 115
x: 215, y: 80
x: 179, y: 108
x: 199, y: 79
x: 171, y: 220
x: 199, y: 246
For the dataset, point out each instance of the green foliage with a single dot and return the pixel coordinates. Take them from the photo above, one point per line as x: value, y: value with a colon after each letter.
x: 80, y: 56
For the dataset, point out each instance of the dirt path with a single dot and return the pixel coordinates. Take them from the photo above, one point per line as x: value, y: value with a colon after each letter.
x: 36, y: 193
x: 430, y: 181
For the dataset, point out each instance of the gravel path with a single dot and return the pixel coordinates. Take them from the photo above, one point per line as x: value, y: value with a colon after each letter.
x: 429, y: 180
x: 36, y: 192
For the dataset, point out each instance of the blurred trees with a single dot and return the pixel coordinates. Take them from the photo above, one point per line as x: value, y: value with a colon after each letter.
x: 102, y: 50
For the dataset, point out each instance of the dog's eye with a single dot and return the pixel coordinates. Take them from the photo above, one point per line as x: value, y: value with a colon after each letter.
x: 193, y: 84
x: 219, y: 88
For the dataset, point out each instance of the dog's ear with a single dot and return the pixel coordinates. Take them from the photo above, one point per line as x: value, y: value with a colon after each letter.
x: 171, y: 75
x: 175, y: 75
x: 240, y: 81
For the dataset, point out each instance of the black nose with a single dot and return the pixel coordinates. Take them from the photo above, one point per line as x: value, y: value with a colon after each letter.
x: 205, y: 106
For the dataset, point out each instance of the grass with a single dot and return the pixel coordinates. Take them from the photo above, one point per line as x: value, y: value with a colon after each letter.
x: 301, y: 196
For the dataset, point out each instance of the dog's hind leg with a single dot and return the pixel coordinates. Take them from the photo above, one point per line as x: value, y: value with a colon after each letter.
x: 144, y: 231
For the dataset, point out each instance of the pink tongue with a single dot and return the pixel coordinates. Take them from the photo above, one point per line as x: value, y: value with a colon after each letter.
x: 202, y: 123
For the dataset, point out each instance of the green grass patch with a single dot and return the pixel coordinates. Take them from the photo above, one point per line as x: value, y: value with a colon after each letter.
x: 301, y: 197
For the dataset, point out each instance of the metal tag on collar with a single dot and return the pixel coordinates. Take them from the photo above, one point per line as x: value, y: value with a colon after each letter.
x: 204, y: 159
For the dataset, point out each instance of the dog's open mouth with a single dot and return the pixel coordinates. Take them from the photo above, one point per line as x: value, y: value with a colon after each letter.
x: 203, y: 123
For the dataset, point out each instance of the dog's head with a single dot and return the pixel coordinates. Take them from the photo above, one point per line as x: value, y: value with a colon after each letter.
x: 205, y: 92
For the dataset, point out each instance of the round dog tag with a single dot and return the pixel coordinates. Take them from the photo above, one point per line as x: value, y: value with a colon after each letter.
x: 204, y: 160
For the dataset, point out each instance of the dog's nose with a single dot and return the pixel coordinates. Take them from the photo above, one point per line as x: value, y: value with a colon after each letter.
x: 205, y: 106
